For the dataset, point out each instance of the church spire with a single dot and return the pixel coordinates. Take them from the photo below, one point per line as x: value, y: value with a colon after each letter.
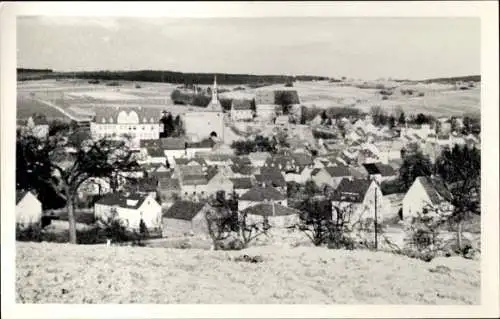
x: 214, y: 91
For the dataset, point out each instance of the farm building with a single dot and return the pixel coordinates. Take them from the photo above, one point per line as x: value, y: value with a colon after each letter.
x: 130, y: 208
x: 330, y: 175
x: 28, y: 208
x: 185, y: 218
x: 426, y: 193
x: 277, y: 215
x: 380, y: 172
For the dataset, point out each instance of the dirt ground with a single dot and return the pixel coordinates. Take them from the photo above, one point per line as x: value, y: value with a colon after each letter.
x: 62, y: 273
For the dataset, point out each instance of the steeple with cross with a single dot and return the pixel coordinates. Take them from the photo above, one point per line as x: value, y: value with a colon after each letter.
x: 214, y: 103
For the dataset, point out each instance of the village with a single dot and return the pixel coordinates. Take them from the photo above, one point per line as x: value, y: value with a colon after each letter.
x: 276, y: 162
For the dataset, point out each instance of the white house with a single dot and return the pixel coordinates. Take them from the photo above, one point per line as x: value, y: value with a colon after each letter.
x: 131, y: 208
x: 426, y: 193
x: 357, y: 197
x: 241, y: 110
x: 278, y: 216
x: 38, y: 126
x: 258, y: 159
x: 28, y: 208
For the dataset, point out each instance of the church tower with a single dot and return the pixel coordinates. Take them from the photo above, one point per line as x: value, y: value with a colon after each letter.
x: 214, y: 105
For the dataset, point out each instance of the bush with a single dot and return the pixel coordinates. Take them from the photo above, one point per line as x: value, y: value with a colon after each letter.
x: 31, y: 232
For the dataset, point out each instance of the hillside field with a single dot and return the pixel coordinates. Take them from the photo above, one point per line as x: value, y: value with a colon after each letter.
x: 61, y: 273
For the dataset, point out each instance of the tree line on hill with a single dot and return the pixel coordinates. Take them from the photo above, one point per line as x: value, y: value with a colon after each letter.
x: 178, y: 77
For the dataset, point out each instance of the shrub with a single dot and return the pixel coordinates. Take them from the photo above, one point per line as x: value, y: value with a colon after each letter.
x: 31, y: 232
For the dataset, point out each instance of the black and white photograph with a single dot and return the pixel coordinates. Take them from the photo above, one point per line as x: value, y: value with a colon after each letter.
x: 258, y: 160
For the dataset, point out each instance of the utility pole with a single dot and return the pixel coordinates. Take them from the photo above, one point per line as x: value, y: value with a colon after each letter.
x: 376, y: 239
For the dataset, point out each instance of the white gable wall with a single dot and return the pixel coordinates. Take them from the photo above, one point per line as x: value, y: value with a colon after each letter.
x: 28, y: 210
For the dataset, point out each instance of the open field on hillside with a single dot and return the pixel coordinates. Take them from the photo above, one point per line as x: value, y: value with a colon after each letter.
x: 27, y: 106
x: 438, y: 99
x: 60, y: 273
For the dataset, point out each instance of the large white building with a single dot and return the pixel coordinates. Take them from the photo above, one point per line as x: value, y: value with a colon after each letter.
x: 208, y: 122
x: 140, y: 123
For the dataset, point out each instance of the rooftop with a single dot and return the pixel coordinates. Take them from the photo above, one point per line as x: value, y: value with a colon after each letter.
x: 183, y: 209
x: 260, y: 194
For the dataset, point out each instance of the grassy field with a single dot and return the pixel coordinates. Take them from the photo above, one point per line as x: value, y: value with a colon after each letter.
x: 60, y: 273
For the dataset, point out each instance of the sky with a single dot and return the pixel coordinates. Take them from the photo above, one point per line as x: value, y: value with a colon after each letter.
x: 363, y: 48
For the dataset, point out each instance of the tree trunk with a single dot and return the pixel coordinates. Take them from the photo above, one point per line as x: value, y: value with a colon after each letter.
x: 459, y: 235
x: 71, y: 217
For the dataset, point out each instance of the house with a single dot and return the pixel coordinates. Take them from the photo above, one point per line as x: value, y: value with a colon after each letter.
x: 361, y: 199
x: 205, y: 145
x: 426, y: 192
x: 330, y: 175
x: 241, y: 185
x: 241, y: 110
x: 282, y: 120
x: 194, y: 186
x: 144, y: 185
x: 219, y: 181
x: 130, y: 208
x: 185, y: 218
x: 380, y: 172
x: 265, y: 105
x: 271, y: 176
x: 278, y: 216
x: 258, y: 159
x: 301, y: 174
x: 28, y: 208
x: 216, y: 159
x: 258, y: 194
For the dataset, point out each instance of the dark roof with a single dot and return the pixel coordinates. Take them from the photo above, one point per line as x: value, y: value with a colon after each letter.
x: 190, y: 170
x: 120, y: 199
x: 156, y: 152
x: 272, y: 175
x: 146, y: 184
x: 211, y: 172
x: 173, y: 143
x: 264, y: 97
x: 267, y: 210
x: 242, y: 183
x: 338, y: 171
x: 20, y: 195
x: 206, y: 143
x: 161, y: 174
x: 239, y: 104
x: 315, y: 171
x: 435, y: 189
x: 259, y: 194
x: 385, y: 169
x: 371, y: 168
x: 241, y: 160
x: 194, y: 180
x: 146, y: 115
x: 183, y: 209
x: 185, y: 161
x: 165, y: 183
x: 353, y: 191
x: 40, y: 120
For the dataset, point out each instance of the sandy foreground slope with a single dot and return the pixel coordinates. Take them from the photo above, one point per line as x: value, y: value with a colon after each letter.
x: 60, y: 273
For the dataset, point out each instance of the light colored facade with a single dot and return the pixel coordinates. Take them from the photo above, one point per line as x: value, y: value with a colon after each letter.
x: 28, y: 209
x: 422, y: 194
x: 116, y: 122
x: 131, y: 209
x: 199, y: 125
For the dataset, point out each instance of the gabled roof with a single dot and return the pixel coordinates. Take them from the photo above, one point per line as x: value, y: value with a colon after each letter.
x: 260, y: 194
x: 206, y: 143
x: 241, y: 160
x: 435, y: 189
x: 242, y: 183
x: 145, y: 184
x: 122, y: 200
x: 242, y: 169
x: 145, y: 115
x: 173, y: 143
x: 194, y: 180
x: 271, y: 174
x: 190, y: 170
x: 167, y: 183
x: 20, y: 195
x: 240, y: 104
x: 156, y: 152
x: 352, y: 191
x: 268, y: 210
x: 338, y: 171
x: 186, y: 161
x: 302, y: 159
x: 183, y: 209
